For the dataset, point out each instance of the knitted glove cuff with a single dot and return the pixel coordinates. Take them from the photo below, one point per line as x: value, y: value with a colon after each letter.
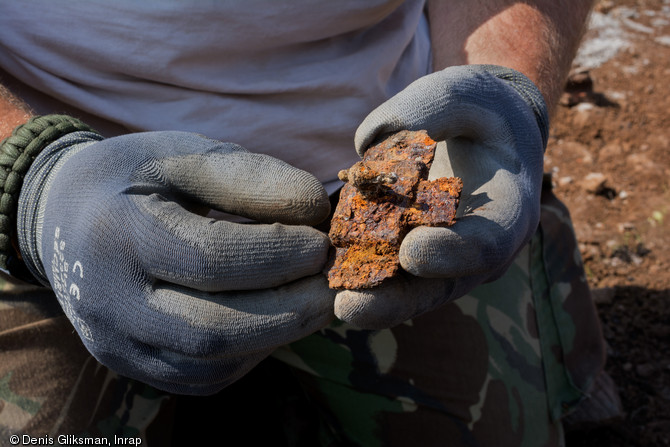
x: 17, y: 153
x: 529, y: 92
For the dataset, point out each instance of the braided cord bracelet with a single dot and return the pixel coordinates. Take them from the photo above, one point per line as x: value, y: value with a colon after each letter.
x: 17, y: 153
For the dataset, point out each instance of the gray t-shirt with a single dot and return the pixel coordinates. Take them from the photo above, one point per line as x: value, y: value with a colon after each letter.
x: 292, y: 78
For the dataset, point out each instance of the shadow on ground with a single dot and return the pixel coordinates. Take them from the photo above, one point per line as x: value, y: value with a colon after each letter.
x: 636, y: 325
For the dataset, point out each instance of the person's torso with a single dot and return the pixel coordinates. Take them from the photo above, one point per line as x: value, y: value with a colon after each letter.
x: 289, y: 78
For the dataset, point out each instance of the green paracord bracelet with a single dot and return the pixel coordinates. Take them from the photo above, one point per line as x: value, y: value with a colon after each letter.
x: 17, y: 153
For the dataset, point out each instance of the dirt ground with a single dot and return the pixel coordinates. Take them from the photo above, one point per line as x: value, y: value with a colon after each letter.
x: 609, y: 154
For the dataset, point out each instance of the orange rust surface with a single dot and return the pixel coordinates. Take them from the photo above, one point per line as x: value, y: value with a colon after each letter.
x: 387, y: 194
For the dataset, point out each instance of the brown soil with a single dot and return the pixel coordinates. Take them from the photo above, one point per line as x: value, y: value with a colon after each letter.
x: 609, y: 153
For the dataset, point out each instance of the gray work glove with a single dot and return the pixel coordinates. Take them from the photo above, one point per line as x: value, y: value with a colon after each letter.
x: 156, y: 292
x: 495, y: 125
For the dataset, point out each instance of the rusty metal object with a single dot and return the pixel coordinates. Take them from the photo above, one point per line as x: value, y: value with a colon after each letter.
x: 386, y: 195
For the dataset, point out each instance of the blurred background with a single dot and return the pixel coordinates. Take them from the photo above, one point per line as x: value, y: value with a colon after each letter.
x: 609, y: 156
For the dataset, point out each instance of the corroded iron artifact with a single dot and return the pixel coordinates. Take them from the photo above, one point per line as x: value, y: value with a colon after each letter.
x: 386, y: 195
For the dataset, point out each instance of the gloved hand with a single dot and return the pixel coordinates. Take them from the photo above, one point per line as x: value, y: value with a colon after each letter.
x: 180, y: 301
x: 495, y: 125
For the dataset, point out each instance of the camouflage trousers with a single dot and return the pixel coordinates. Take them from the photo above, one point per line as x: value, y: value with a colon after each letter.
x: 498, y: 367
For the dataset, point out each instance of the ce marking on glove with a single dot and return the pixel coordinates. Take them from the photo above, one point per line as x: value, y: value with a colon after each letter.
x: 72, y: 440
x: 66, y: 290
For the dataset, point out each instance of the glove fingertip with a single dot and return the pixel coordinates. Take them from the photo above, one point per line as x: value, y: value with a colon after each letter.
x: 425, y: 252
x: 377, y: 125
x: 366, y: 310
x: 314, y: 208
x: 363, y: 137
x: 392, y: 303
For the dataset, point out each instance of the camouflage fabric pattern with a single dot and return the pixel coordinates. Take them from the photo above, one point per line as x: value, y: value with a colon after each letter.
x: 50, y: 385
x: 498, y: 367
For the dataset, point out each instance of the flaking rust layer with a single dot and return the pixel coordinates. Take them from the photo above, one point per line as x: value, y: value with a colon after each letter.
x: 386, y: 195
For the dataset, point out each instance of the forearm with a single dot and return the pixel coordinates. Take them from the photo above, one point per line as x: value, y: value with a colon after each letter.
x: 538, y: 38
x: 13, y: 112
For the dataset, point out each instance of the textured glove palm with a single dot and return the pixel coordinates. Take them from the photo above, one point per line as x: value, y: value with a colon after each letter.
x: 494, y: 123
x: 180, y: 301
